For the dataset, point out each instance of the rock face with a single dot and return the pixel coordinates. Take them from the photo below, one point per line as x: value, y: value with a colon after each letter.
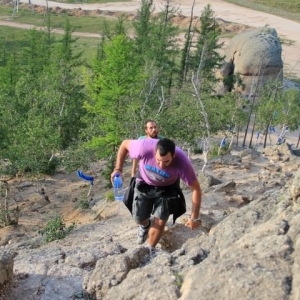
x: 250, y: 250
x: 295, y: 187
x: 6, y: 267
x: 256, y: 55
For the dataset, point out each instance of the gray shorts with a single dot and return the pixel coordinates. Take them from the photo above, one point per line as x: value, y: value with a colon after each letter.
x: 148, y: 201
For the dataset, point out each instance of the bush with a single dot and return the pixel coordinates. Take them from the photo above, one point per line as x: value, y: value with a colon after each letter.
x: 109, y: 196
x: 55, y: 229
x: 9, y: 216
x: 197, y: 150
x: 214, y: 150
x: 83, y: 204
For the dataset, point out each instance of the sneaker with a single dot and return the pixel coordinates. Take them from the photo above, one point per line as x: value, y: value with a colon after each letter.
x: 143, y: 233
x: 152, y: 252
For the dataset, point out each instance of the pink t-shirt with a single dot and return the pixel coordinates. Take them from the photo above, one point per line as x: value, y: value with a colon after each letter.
x: 181, y: 167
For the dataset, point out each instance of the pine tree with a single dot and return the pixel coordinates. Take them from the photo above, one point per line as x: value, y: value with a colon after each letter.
x: 155, y: 41
x: 206, y: 58
x: 114, y: 94
x: 47, y: 104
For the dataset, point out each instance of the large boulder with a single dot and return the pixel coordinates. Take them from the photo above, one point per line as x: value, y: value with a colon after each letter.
x: 256, y: 55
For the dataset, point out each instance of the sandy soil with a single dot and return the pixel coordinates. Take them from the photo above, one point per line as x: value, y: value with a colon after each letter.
x: 287, y: 29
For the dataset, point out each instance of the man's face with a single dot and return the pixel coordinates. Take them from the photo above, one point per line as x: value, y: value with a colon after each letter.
x: 163, y: 161
x: 151, y: 130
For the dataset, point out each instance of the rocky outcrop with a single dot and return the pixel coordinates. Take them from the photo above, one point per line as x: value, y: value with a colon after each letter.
x: 254, y: 54
x: 6, y: 267
x: 250, y: 250
x: 252, y: 254
x: 295, y: 186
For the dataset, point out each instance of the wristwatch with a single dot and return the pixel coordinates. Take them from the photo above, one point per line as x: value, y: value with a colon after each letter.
x: 198, y: 220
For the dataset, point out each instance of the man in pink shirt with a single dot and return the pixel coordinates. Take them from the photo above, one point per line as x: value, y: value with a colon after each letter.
x: 157, y: 190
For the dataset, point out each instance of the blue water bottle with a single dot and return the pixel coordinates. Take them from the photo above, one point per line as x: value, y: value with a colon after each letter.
x: 118, y: 188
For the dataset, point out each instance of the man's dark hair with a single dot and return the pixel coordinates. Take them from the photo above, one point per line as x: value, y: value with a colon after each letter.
x: 164, y: 146
x: 148, y: 121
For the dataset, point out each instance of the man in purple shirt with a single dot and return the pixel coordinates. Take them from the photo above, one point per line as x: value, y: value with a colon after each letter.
x: 157, y: 190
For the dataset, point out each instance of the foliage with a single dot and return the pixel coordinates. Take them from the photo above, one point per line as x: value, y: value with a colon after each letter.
x: 206, y: 58
x: 77, y: 157
x: 114, y: 94
x: 178, y: 279
x: 9, y: 216
x: 44, y: 101
x: 82, y: 204
x: 55, y: 229
x: 156, y: 47
x: 109, y: 196
x: 288, y: 109
x: 216, y: 150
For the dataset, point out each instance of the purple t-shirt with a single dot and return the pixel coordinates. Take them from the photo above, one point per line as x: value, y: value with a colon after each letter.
x: 180, y: 167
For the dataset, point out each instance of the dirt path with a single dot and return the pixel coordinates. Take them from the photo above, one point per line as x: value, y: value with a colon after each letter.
x: 287, y: 29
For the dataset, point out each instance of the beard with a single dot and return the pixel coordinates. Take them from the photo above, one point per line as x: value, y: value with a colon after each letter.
x: 153, y: 135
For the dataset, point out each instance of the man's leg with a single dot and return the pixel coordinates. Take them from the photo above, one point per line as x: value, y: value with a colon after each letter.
x: 156, y: 231
x: 143, y: 231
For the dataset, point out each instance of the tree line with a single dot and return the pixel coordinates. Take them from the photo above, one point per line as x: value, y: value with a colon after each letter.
x: 60, y: 110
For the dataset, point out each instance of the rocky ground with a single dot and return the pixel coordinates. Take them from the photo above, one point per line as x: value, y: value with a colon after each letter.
x: 105, y: 230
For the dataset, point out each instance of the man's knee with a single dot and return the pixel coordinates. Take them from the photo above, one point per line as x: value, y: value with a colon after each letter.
x: 159, y: 223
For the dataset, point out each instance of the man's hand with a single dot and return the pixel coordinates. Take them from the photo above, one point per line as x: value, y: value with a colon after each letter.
x: 193, y: 224
x: 113, y: 174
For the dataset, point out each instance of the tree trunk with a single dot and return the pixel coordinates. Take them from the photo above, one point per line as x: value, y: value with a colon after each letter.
x: 252, y: 132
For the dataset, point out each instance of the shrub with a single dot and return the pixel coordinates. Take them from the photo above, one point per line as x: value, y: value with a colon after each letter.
x: 109, y: 196
x: 214, y: 151
x: 83, y: 204
x: 9, y: 216
x: 55, y: 229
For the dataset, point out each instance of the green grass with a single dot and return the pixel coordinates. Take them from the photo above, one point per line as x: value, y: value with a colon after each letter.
x: 81, y: 24
x: 91, y: 24
x: 292, y: 6
x: 289, y: 9
x: 11, y: 33
x: 87, y: 45
x: 91, y: 1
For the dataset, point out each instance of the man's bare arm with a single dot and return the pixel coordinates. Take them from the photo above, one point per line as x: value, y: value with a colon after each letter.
x: 121, y: 155
x: 196, y: 204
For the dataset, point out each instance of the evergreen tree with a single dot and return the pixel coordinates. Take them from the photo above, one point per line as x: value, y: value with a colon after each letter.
x: 47, y: 105
x: 143, y: 27
x: 186, y: 51
x: 206, y: 59
x: 36, y: 54
x: 114, y: 94
x: 155, y: 42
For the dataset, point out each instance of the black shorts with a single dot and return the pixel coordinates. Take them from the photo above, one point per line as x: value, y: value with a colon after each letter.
x: 149, y: 201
